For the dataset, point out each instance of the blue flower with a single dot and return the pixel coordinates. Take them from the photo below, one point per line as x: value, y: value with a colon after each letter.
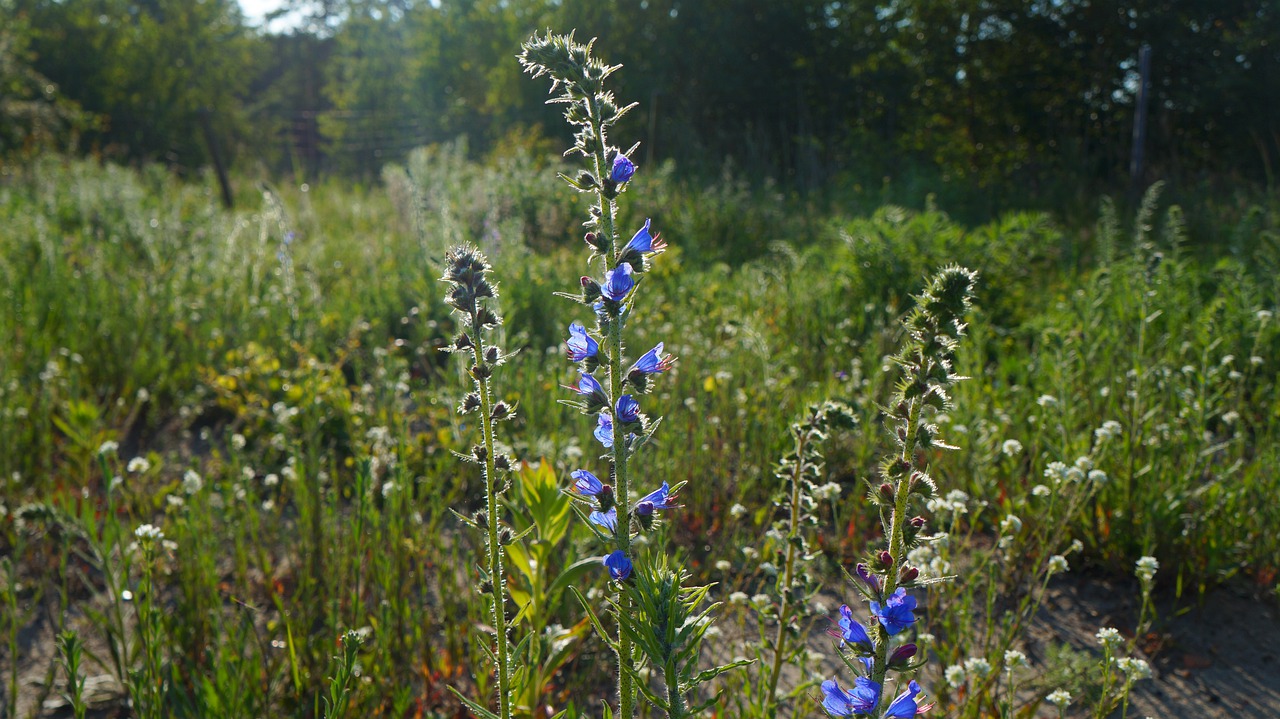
x: 627, y: 410
x: 862, y: 699
x: 653, y: 361
x: 588, y: 387
x: 896, y: 612
x: 618, y: 282
x: 585, y: 484
x: 643, y: 242
x: 604, y: 430
x: 905, y: 705
x: 608, y: 520
x: 618, y: 565
x: 852, y: 630
x: 580, y: 344
x: 623, y: 169
x: 660, y: 498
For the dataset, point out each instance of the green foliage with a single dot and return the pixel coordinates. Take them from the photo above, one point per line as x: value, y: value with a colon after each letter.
x: 116, y: 281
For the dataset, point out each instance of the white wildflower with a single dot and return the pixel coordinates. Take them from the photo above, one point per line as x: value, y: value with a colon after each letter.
x: 1097, y: 476
x: 1011, y: 524
x: 954, y: 675
x: 1135, y: 668
x: 1109, y: 637
x: 1014, y: 659
x: 977, y: 667
x: 1059, y: 698
x: 723, y: 565
x: 1041, y: 490
x: 737, y: 511
x: 138, y: 465
x: 828, y: 491
x: 1046, y: 400
x: 1146, y: 569
x: 108, y: 447
x: 738, y: 598
x: 1011, y: 447
x: 191, y: 482
x: 1058, y: 564
x: 148, y: 533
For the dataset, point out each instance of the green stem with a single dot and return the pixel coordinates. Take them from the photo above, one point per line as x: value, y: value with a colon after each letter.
x: 496, y: 574
x: 626, y: 692
x: 675, y: 699
x: 788, y: 574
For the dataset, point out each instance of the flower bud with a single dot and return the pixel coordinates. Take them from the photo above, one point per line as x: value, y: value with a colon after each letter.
x: 480, y: 453
x: 918, y: 522
x: 500, y: 411
x: 871, y: 580
x: 590, y: 290
x: 886, y: 491
x: 492, y: 355
x: 481, y: 518
x: 505, y: 535
x: 502, y: 462
x: 487, y: 318
x: 470, y: 403
x: 606, y: 498
x: 886, y: 559
x: 902, y: 656
x: 462, y: 341
x: 909, y: 574
x: 481, y: 372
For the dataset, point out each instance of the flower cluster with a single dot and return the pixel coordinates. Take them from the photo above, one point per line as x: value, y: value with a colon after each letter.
x: 608, y: 389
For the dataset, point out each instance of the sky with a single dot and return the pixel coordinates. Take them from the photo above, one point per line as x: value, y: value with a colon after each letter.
x: 254, y: 10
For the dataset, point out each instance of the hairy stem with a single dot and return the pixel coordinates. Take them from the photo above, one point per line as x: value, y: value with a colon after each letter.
x: 788, y: 574
x: 626, y: 692
x: 496, y: 574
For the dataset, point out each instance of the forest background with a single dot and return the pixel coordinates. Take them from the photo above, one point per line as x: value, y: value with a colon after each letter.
x: 995, y: 103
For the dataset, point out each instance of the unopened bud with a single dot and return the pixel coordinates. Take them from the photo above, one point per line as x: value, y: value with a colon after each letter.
x: 909, y: 574
x: 886, y: 559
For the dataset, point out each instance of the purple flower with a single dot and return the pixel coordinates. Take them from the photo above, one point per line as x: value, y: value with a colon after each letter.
x: 617, y: 282
x: 628, y: 410
x: 896, y: 612
x: 623, y: 169
x: 643, y: 242
x: 608, y: 520
x: 585, y: 484
x: 660, y: 498
x: 867, y: 577
x: 905, y: 706
x: 653, y: 361
x: 851, y: 630
x: 580, y: 344
x: 862, y: 699
x: 618, y: 565
x: 604, y: 430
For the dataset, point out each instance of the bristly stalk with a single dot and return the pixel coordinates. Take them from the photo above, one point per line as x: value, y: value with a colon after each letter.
x: 469, y: 296
x: 614, y: 514
x: 934, y: 329
x: 799, y: 470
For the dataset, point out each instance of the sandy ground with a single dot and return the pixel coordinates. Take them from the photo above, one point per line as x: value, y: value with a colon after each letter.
x: 1218, y: 659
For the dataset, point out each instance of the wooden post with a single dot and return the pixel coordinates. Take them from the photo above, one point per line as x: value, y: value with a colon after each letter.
x: 218, y: 167
x: 1137, y: 159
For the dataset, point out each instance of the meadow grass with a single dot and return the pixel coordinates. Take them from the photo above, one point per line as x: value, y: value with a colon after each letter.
x: 265, y: 387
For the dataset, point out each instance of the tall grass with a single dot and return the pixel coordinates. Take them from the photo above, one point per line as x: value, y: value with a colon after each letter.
x: 285, y: 356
